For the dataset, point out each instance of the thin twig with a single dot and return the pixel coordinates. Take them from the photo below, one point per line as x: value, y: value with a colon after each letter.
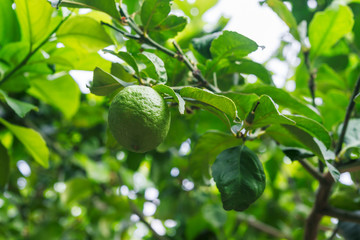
x: 317, y: 175
x: 126, y: 34
x: 347, y: 117
x: 31, y: 53
x: 341, y: 214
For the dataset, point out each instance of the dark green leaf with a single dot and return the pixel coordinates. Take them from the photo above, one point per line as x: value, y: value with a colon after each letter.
x: 83, y: 34
x: 169, y: 28
x: 32, y: 141
x: 232, y: 45
x: 333, y: 171
x: 265, y: 114
x: 203, y: 44
x: 5, y: 167
x: 161, y: 88
x: 19, y: 107
x: 104, y: 83
x: 345, y: 197
x: 159, y: 66
x: 349, y: 230
x: 106, y: 6
x: 327, y: 27
x: 239, y: 176
x: 243, y: 102
x: 313, y: 128
x: 296, y: 153
x: 209, y: 145
x: 153, y: 12
x: 128, y: 58
x: 76, y: 190
x: 222, y: 103
x: 327, y: 79
x: 283, y: 98
x: 285, y: 14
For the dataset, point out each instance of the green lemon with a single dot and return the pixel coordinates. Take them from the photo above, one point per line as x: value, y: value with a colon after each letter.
x: 139, y: 118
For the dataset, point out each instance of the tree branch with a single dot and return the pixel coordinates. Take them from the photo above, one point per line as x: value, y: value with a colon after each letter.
x: 351, y: 166
x: 341, y: 214
x: 308, y: 167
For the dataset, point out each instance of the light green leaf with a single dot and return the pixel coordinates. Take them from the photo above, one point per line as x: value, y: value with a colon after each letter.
x: 357, y: 98
x: 62, y: 93
x: 313, y: 128
x: 76, y: 190
x: 283, y: 98
x: 83, y: 34
x: 32, y: 141
x: 132, y: 6
x: 13, y: 53
x: 346, y: 197
x: 10, y: 29
x: 20, y: 108
x: 285, y: 14
x: 158, y: 65
x: 106, y: 6
x: 209, y: 145
x: 232, y: 45
x: 222, y: 103
x: 169, y: 28
x: 119, y: 71
x: 104, y: 83
x: 153, y: 12
x: 265, y: 114
x: 327, y: 79
x: 333, y: 171
x: 328, y: 27
x: 161, y: 88
x: 243, y: 102
x: 128, y: 58
x: 239, y: 176
x: 5, y: 167
x: 249, y: 67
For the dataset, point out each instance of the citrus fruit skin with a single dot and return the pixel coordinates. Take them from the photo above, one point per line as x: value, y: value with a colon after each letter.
x: 139, y: 118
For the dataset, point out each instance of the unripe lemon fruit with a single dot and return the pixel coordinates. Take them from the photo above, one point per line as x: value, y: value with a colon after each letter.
x: 139, y: 118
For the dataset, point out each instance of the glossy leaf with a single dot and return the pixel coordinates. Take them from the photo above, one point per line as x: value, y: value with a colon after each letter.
x: 352, y: 135
x: 32, y: 141
x: 161, y: 88
x: 62, y: 93
x: 222, y: 103
x: 327, y: 27
x: 128, y: 58
x: 169, y: 28
x: 243, y: 102
x: 209, y: 145
x: 283, y: 98
x: 19, y: 107
x: 239, y: 176
x: 249, y: 67
x: 153, y: 12
x: 159, y: 66
x: 232, y: 45
x: 333, y: 171
x: 76, y: 190
x: 106, y: 6
x: 312, y: 127
x: 285, y: 14
x: 203, y: 44
x: 265, y: 114
x: 104, y: 83
x: 296, y: 153
x: 5, y: 167
x: 83, y: 34
x: 119, y: 71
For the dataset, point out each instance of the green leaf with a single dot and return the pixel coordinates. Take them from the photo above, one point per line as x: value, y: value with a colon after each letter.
x: 83, y: 34
x: 36, y: 20
x: 106, y: 6
x: 5, y: 167
x: 328, y: 27
x: 128, y: 58
x: 357, y: 98
x: 222, y: 103
x: 159, y: 66
x: 285, y: 14
x: 63, y: 93
x: 20, y: 108
x: 153, y: 12
x: 132, y: 5
x: 243, y: 102
x: 239, y: 176
x: 203, y: 44
x: 10, y: 29
x: 283, y: 98
x: 292, y: 136
x: 249, y: 67
x: 76, y: 190
x: 161, y: 88
x: 169, y: 28
x: 119, y: 71
x: 104, y: 83
x: 352, y: 135
x: 232, y: 45
x: 265, y: 114
x: 313, y: 128
x: 295, y: 153
x: 13, y: 53
x: 345, y: 197
x: 327, y: 79
x: 209, y: 145
x: 32, y: 141
x: 333, y: 171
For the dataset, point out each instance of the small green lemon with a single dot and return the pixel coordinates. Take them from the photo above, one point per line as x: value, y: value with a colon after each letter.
x: 139, y: 118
